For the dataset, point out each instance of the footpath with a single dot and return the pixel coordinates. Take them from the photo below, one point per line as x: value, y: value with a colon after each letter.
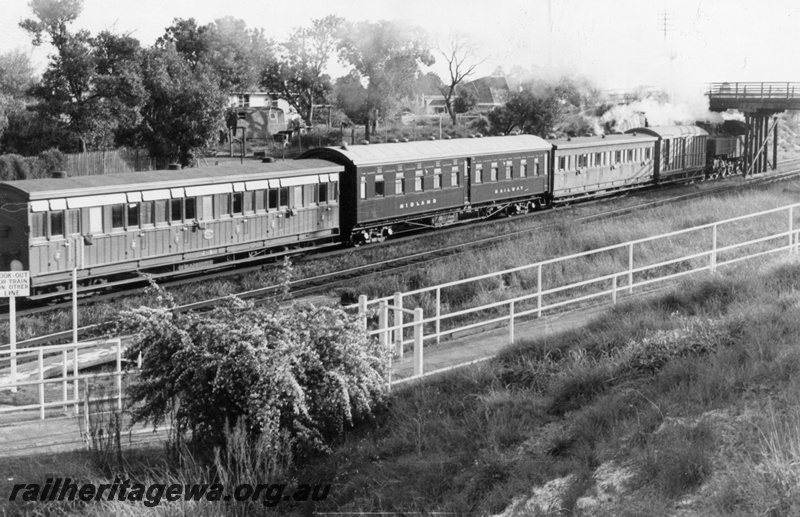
x: 64, y: 433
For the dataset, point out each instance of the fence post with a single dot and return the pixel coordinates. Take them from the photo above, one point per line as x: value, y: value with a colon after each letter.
x: 511, y: 323
x: 539, y: 291
x: 630, y: 268
x: 64, y: 374
x: 438, y: 307
x: 614, y: 291
x: 417, y: 341
x: 76, y: 389
x: 383, y: 322
x: 41, y: 383
x: 119, y: 374
x: 362, y: 309
x: 398, y: 324
x: 714, y: 248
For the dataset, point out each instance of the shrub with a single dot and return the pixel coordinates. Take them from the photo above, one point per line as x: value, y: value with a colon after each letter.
x: 307, y: 372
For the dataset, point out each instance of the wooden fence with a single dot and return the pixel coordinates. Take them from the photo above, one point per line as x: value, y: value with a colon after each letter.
x: 112, y: 161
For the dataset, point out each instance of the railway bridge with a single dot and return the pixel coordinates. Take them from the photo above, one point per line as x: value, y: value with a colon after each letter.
x: 759, y: 102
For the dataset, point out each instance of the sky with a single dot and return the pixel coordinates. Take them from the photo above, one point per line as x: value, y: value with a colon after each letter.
x: 616, y: 43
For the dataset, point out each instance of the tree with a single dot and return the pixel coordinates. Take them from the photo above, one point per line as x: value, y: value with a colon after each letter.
x: 308, y: 372
x: 16, y: 79
x: 388, y: 56
x: 351, y: 98
x: 89, y: 88
x: 461, y: 63
x: 183, y: 107
x: 298, y: 74
x: 465, y: 101
x: 227, y: 47
x: 526, y: 112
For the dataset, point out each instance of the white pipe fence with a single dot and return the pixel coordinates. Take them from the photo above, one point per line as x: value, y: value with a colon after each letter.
x: 44, y: 367
x: 710, y: 256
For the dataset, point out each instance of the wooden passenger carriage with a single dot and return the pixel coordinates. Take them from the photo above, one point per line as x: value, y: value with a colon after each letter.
x: 681, y: 151
x: 163, y: 221
x: 588, y: 166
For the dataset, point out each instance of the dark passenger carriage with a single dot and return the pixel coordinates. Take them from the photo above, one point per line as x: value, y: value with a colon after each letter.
x: 163, y: 221
x: 681, y: 151
x: 386, y: 187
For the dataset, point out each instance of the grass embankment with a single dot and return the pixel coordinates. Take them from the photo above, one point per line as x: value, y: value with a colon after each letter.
x: 683, y: 402
x: 564, y: 239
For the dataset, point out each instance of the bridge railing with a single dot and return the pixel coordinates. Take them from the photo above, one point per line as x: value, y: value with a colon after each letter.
x: 745, y: 91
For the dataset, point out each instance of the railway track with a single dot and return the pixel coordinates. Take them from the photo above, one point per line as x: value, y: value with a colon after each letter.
x: 340, y: 278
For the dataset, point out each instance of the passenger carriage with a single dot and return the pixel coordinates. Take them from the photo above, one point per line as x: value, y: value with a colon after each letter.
x: 162, y: 221
x: 681, y: 151
x: 389, y: 187
x: 588, y: 166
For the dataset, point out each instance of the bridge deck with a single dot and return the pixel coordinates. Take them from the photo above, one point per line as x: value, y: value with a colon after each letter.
x: 750, y: 97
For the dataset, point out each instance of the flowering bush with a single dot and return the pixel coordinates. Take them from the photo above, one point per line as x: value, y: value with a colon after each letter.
x: 307, y: 371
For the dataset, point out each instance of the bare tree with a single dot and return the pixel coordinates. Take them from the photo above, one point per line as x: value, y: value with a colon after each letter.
x: 462, y: 60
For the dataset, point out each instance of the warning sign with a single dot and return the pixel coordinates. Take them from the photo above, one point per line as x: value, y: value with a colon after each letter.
x: 15, y: 283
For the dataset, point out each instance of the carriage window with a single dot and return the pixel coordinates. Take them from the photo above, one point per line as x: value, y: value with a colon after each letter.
x: 647, y: 153
x: 582, y: 160
x: 630, y: 155
x: 363, y: 189
x: 323, y: 192
x: 509, y: 170
x: 454, y: 176
x: 190, y: 208
x: 207, y: 207
x: 617, y: 156
x: 562, y: 163
x: 175, y: 214
x: 38, y: 224
x: 333, y: 192
x: 146, y: 209
x: 237, y: 206
x: 261, y: 200
x: 161, y: 211
x: 56, y: 223
x: 284, y: 196
x: 598, y: 159
x: 380, y: 186
x: 494, y: 172
x: 297, y: 196
x: 437, y: 178
x: 74, y: 221
x: 117, y: 216
x: 399, y: 185
x: 536, y: 171
x: 133, y: 214
x: 95, y: 220
x: 224, y: 206
x: 249, y: 201
x: 272, y: 199
x: 418, y: 185
x: 478, y: 172
x: 523, y: 168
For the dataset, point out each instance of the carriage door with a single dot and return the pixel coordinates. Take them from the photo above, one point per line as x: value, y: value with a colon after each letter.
x: 467, y: 180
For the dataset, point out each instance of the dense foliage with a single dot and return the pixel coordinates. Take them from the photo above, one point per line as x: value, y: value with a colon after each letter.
x: 306, y: 371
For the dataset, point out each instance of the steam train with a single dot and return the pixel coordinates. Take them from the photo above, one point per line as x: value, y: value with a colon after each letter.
x: 111, y: 227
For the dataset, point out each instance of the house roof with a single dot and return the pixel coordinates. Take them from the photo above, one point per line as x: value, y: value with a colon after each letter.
x: 489, y: 90
x: 384, y: 154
